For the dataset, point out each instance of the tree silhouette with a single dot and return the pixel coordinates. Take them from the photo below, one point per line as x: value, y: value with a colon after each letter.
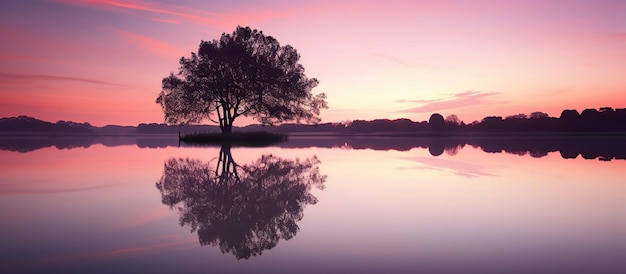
x: 245, y: 73
x: 436, y: 121
x: 539, y: 115
x: 453, y: 120
x: 243, y: 209
x: 520, y: 116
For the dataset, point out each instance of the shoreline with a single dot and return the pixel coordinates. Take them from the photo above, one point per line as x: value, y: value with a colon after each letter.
x: 333, y: 134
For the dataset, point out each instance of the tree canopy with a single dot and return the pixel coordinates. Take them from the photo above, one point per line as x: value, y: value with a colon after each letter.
x: 244, y: 73
x: 436, y: 121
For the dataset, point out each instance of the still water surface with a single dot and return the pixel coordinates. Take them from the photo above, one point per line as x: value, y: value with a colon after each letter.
x: 308, y: 209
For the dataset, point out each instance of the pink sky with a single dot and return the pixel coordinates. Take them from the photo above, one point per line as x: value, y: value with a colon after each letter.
x: 102, y: 61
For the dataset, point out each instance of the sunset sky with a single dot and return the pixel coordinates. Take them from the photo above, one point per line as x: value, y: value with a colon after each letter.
x: 102, y: 61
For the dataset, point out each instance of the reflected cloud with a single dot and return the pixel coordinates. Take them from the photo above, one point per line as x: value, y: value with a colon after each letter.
x: 142, y: 218
x: 183, y: 244
x: 42, y: 264
x: 243, y: 209
x: 464, y: 169
x: 13, y: 189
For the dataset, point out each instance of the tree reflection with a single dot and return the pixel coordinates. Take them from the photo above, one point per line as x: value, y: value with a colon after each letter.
x: 243, y: 209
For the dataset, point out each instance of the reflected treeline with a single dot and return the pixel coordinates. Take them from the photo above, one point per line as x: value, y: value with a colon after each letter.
x: 28, y: 144
x: 243, y: 209
x: 603, y: 148
x: 588, y: 147
x: 31, y: 143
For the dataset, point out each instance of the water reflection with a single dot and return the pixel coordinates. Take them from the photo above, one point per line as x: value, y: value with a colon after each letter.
x: 588, y: 147
x: 604, y: 148
x: 243, y: 209
x: 31, y: 143
x: 472, y: 213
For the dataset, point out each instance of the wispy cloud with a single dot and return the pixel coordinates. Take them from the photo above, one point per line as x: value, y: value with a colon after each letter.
x: 149, y: 43
x: 175, y: 22
x: 394, y: 59
x: 459, y: 100
x: 7, y: 77
x: 415, y: 101
x: 177, y: 13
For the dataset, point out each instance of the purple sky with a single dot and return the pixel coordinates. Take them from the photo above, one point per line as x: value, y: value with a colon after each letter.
x: 102, y: 61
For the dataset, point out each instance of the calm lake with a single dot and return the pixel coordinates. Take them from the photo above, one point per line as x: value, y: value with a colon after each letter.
x: 311, y: 205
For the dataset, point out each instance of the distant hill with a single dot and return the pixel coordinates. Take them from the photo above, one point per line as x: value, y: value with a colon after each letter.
x: 32, y: 125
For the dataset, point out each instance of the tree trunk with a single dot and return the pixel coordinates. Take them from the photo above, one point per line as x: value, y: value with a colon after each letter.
x: 227, y: 129
x: 226, y: 123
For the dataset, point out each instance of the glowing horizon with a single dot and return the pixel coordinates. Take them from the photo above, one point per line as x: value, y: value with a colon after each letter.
x: 102, y: 61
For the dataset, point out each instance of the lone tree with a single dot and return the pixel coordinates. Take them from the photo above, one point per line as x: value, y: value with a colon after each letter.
x: 245, y: 73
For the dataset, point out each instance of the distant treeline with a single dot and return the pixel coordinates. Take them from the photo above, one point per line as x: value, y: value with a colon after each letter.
x: 604, y: 120
x: 590, y: 120
x: 29, y: 124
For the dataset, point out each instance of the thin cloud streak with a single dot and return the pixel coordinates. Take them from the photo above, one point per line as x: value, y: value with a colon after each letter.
x: 29, y: 265
x: 6, y: 77
x: 459, y: 100
x: 142, y: 218
x: 150, y: 43
x: 415, y: 101
x: 15, y: 189
x: 394, y: 60
x: 218, y: 20
x: 197, y: 16
x: 168, y: 21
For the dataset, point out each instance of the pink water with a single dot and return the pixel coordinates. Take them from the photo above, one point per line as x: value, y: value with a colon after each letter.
x: 97, y: 209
